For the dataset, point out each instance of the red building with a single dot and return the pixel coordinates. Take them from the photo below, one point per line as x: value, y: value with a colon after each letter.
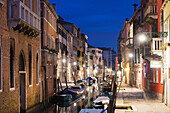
x: 152, y: 79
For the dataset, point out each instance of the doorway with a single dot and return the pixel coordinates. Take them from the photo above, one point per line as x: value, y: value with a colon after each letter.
x: 22, y: 83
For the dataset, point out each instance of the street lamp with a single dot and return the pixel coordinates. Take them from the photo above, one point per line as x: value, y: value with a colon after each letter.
x: 142, y: 37
x: 64, y: 60
x: 130, y: 55
x: 74, y: 63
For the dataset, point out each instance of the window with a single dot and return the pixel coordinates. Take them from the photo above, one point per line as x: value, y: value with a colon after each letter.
x: 29, y: 4
x: 91, y: 57
x: 30, y: 65
x: 93, y: 51
x: 37, y: 68
x: 36, y: 7
x: 138, y: 56
x: 47, y: 71
x: 153, y: 75
x: 78, y: 53
x: 12, y: 11
x: 157, y: 75
x: 135, y: 56
x: 51, y: 70
x: 47, y: 15
x: 100, y: 59
x: 54, y: 72
x: 0, y: 64
x: 52, y: 42
x: 161, y: 77
x: 12, y: 44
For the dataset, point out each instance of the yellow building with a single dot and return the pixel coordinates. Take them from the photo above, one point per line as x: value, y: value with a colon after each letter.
x: 80, y: 56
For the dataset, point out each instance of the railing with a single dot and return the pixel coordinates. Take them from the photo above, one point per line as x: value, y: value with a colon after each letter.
x: 151, y: 10
x: 19, y: 11
x: 129, y: 42
x: 156, y: 46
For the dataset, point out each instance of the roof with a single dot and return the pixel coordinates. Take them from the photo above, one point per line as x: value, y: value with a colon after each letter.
x: 67, y: 23
x: 51, y: 8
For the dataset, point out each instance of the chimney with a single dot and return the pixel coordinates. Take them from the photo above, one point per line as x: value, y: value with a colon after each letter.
x: 126, y: 19
x: 54, y: 6
x: 135, y: 6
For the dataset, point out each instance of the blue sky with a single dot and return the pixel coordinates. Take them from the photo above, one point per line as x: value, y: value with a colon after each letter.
x: 101, y: 20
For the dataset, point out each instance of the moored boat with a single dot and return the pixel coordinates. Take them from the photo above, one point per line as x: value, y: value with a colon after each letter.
x: 101, y: 102
x: 74, y: 90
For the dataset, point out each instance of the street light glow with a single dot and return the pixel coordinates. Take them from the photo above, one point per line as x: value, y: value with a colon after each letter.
x: 64, y: 60
x: 74, y: 63
x: 130, y: 55
x: 142, y: 37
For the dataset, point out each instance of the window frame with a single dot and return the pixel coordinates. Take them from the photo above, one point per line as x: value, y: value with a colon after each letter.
x: 12, y: 88
x: 37, y: 69
x: 29, y: 51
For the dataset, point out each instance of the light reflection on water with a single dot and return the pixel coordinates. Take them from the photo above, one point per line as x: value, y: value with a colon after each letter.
x: 84, y: 101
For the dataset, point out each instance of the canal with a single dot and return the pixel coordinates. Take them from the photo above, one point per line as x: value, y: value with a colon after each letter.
x: 84, y: 101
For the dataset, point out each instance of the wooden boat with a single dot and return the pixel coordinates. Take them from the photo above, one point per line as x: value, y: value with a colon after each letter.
x: 74, y: 91
x: 101, y: 102
x: 93, y: 111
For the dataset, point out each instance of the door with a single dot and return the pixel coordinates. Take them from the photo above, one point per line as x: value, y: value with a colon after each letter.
x: 22, y: 93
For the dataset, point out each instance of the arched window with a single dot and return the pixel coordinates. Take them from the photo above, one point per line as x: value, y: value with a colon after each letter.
x: 12, y: 49
x: 30, y: 65
x: 37, y: 68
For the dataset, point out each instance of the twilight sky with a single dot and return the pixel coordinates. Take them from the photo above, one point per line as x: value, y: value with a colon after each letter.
x: 101, y: 20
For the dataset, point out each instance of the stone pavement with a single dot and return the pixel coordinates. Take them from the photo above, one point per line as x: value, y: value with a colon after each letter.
x: 139, y: 102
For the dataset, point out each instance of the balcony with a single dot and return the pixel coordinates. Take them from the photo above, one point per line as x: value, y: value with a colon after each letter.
x: 156, y: 46
x: 21, y: 18
x: 150, y: 12
x: 129, y: 42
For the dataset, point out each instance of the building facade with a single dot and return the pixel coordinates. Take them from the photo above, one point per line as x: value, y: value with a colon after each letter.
x: 21, y: 51
x: 48, y: 48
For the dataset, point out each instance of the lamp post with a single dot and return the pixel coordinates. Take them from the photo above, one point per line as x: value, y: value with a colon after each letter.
x: 142, y: 37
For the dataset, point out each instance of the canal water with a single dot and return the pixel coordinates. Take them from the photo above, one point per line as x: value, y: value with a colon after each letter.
x: 83, y: 102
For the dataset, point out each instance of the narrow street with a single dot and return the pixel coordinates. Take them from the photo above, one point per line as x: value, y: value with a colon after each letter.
x: 140, y: 102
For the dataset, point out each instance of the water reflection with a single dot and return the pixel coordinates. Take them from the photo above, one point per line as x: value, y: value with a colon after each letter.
x: 85, y: 101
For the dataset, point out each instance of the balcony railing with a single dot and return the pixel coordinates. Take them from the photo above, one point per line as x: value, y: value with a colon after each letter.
x: 150, y: 14
x: 156, y: 46
x: 129, y: 42
x: 21, y: 18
